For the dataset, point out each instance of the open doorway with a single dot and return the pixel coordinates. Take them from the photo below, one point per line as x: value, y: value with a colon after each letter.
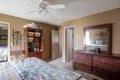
x: 69, y: 43
x: 4, y: 40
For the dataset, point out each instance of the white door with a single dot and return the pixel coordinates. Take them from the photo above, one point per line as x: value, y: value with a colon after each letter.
x: 55, y: 44
x: 69, y: 44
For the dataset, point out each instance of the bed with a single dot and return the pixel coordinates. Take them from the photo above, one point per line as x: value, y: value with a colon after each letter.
x: 34, y: 69
x: 3, y: 53
x: 3, y: 50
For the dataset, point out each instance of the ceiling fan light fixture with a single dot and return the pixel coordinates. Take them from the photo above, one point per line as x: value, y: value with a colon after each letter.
x: 43, y: 11
x: 43, y: 6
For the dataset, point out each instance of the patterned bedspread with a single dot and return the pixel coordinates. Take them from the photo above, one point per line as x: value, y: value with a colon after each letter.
x: 7, y: 72
x: 34, y: 69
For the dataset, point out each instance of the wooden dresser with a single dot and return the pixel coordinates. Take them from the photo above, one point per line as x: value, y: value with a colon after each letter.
x: 106, y: 66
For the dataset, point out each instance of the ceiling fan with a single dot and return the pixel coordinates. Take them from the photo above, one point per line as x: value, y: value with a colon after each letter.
x: 43, y: 6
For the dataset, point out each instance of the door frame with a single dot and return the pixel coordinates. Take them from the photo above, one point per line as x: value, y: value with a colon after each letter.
x: 65, y: 29
x: 9, y: 40
x: 60, y: 42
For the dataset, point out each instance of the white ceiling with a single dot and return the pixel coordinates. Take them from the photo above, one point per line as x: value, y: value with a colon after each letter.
x: 74, y: 9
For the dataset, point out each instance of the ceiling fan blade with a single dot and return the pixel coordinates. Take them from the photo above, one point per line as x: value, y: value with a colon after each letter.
x: 33, y: 1
x: 36, y: 2
x: 58, y: 6
x: 33, y: 11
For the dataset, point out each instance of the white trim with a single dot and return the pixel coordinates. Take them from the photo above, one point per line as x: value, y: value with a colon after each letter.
x: 9, y: 47
x: 69, y: 27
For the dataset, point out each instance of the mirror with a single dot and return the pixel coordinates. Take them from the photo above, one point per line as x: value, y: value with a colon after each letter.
x: 3, y: 42
x: 98, y: 39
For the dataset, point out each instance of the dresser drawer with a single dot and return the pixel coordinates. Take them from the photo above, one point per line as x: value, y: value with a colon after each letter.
x: 82, y: 56
x: 106, y: 60
x: 96, y: 59
x: 116, y: 61
x: 103, y: 60
x: 83, y: 68
x: 107, y: 75
x: 84, y: 62
x: 107, y: 67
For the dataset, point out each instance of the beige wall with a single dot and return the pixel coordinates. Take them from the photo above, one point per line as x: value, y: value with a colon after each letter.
x: 17, y: 25
x: 112, y: 16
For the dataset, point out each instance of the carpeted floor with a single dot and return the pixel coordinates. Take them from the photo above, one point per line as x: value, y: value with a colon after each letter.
x: 68, y: 65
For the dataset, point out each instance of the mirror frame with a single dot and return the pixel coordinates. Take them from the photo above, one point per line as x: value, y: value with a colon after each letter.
x: 9, y: 46
x: 109, y: 36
